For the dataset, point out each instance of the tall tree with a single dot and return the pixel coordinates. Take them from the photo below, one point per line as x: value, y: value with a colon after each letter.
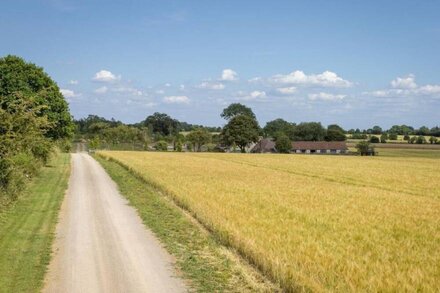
x: 198, y: 138
x: 18, y: 76
x: 279, y: 126
x: 162, y: 123
x: 236, y: 109
x: 310, y: 131
x: 241, y: 130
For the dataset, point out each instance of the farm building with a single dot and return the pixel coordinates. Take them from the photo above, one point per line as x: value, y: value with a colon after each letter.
x: 265, y: 145
x: 319, y: 147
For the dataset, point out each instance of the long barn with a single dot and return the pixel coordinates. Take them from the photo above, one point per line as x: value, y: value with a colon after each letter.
x: 319, y: 147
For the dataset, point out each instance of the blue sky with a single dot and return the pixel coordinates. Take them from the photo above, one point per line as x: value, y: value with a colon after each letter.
x: 355, y: 63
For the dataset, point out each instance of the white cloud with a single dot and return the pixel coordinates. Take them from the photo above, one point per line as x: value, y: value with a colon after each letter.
x: 74, y: 82
x: 167, y: 84
x: 325, y: 79
x: 229, y: 75
x: 105, y: 76
x: 68, y: 93
x: 176, y: 99
x: 129, y: 90
x: 252, y: 96
x: 160, y: 92
x: 255, y: 79
x: 286, y: 90
x: 407, y: 82
x: 211, y: 85
x: 101, y: 90
x: 326, y: 97
x: 406, y: 87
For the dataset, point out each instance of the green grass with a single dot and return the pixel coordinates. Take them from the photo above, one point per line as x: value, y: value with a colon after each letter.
x: 27, y: 229
x: 207, y: 265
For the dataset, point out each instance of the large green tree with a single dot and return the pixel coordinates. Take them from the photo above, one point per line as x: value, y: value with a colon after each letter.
x: 241, y: 130
x: 236, y: 109
x: 161, y: 123
x: 18, y: 76
x: 279, y: 126
x: 309, y: 131
x: 198, y: 138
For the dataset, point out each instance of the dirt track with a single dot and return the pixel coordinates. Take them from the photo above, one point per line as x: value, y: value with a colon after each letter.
x: 101, y: 244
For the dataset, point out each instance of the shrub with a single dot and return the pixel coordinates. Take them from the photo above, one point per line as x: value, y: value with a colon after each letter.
x: 374, y: 139
x: 420, y: 139
x: 283, y: 144
x: 161, y: 145
x: 392, y: 136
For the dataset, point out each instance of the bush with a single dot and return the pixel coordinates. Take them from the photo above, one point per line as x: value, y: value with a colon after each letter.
x: 392, y: 136
x: 383, y: 138
x: 161, y: 145
x: 178, y: 146
x: 420, y: 139
x: 283, y: 144
x: 374, y: 139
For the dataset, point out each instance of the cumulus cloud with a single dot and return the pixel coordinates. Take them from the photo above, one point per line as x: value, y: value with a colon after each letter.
x: 286, y: 90
x: 101, y: 90
x: 68, y: 93
x: 211, y: 85
x: 176, y: 100
x: 128, y: 90
x: 252, y: 96
x: 325, y: 79
x: 406, y: 87
x: 326, y: 97
x: 73, y: 82
x: 407, y: 82
x: 229, y: 75
x: 105, y: 76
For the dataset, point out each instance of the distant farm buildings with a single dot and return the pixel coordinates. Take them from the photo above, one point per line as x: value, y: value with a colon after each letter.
x: 266, y: 145
x: 319, y: 147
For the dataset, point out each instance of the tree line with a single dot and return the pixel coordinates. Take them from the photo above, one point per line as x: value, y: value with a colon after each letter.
x: 34, y: 119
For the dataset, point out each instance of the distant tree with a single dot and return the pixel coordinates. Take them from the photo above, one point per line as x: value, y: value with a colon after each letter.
x: 376, y: 130
x: 406, y: 137
x: 241, y: 130
x: 33, y: 84
x: 420, y: 139
x: 94, y: 143
x: 433, y: 140
x: 392, y: 136
x: 283, y: 144
x: 412, y: 139
x: 423, y: 131
x: 236, y: 109
x: 162, y: 124
x: 198, y: 138
x: 161, y: 145
x: 335, y: 133
x: 364, y: 147
x: 178, y: 147
x: 278, y: 126
x: 383, y: 138
x: 374, y: 139
x: 309, y: 131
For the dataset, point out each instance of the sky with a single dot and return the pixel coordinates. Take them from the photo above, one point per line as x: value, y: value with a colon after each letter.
x: 354, y: 63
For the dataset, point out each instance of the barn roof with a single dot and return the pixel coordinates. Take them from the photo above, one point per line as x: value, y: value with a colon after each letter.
x: 319, y: 145
x: 264, y: 145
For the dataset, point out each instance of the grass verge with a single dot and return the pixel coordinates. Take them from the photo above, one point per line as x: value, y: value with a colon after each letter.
x: 27, y: 228
x: 209, y: 266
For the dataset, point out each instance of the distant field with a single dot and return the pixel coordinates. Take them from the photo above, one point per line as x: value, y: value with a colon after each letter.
x: 320, y: 223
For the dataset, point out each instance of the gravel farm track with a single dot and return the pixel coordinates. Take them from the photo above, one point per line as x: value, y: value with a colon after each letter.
x: 101, y: 243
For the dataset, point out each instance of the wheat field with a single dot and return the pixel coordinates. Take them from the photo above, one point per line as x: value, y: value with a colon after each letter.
x: 319, y: 223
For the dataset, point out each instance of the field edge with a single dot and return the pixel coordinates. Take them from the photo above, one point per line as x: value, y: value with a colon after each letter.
x: 201, y: 256
x: 28, y: 228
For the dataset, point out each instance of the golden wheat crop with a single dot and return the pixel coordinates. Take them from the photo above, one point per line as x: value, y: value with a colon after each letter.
x: 320, y: 223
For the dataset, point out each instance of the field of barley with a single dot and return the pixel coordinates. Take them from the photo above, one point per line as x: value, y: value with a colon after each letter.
x: 320, y: 223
